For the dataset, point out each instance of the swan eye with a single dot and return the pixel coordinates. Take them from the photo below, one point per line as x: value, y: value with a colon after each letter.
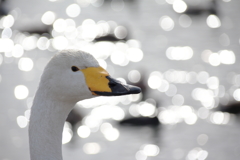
x: 74, y: 69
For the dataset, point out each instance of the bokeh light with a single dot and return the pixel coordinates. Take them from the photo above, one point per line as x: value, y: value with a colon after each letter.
x: 73, y: 10
x: 60, y: 43
x: 67, y: 133
x: 17, y: 51
x: 197, y: 153
x: 151, y: 150
x: 213, y: 21
x: 120, y: 32
x: 83, y: 131
x: 8, y: 21
x: 179, y: 53
x: 172, y: 90
x: 119, y: 58
x: 185, y: 21
x: 146, y: 109
x: 166, y: 23
x: 29, y: 43
x: 22, y: 121
x: 184, y: 58
x: 59, y: 25
x: 220, y: 118
x: 227, y: 57
x: 25, y: 64
x: 202, y: 77
x: 43, y: 43
x: 178, y: 100
x: 236, y: 94
x: 179, y: 6
x: 134, y: 76
x: 205, y: 96
x: 224, y: 39
x: 48, y: 17
x: 202, y: 139
x: 135, y: 54
x: 91, y: 148
x: 6, y: 33
x: 1, y: 59
x: 155, y: 80
x: 6, y: 45
x: 21, y: 92
x: 111, y: 134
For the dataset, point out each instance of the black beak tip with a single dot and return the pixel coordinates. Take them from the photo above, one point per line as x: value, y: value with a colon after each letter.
x: 118, y: 89
x: 134, y: 89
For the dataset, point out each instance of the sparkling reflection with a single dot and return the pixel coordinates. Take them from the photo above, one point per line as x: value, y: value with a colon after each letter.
x: 220, y: 118
x: 91, y: 148
x: 120, y: 32
x: 6, y: 45
x: 190, y: 70
x: 135, y: 54
x: 176, y: 114
x: 73, y: 10
x: 236, y: 94
x: 48, y: 17
x: 205, y: 96
x: 166, y: 23
x: 197, y: 153
x: 17, y: 51
x: 25, y: 64
x: 146, y: 109
x: 60, y: 43
x: 172, y: 90
x: 67, y: 133
x: 202, y: 139
x: 111, y: 134
x: 22, y: 121
x: 83, y: 131
x: 7, y: 21
x: 179, y: 6
x: 185, y: 21
x: 134, y: 76
x: 213, y: 21
x: 21, y: 92
x: 140, y: 155
x: 222, y: 57
x: 151, y: 150
x: 155, y: 80
x: 43, y: 43
x: 6, y: 33
x: 178, y: 100
x: 59, y: 25
x: 179, y: 53
x: 1, y: 59
x: 29, y: 43
x: 224, y: 39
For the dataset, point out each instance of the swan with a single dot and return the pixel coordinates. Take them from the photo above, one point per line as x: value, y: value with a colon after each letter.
x: 70, y: 76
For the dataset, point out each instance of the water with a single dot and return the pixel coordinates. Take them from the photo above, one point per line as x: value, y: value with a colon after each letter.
x: 194, y: 56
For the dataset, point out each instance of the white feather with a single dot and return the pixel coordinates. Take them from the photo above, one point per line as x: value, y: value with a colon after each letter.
x: 59, y: 89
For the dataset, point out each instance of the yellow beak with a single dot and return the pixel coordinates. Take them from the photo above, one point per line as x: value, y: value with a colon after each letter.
x: 100, y: 83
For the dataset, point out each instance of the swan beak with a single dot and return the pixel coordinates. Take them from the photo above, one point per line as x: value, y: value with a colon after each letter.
x: 100, y: 83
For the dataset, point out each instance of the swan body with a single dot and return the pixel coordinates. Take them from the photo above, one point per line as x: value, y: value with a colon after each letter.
x: 70, y: 76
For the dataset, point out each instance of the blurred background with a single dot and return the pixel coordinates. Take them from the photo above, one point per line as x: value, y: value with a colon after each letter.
x: 182, y: 53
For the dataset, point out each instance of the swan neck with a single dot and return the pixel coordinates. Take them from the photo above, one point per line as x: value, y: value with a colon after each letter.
x: 46, y: 125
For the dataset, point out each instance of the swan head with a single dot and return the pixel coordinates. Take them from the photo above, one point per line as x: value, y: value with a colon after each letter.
x: 73, y: 75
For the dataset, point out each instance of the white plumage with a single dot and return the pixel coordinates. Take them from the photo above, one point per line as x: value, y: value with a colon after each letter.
x: 59, y: 89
